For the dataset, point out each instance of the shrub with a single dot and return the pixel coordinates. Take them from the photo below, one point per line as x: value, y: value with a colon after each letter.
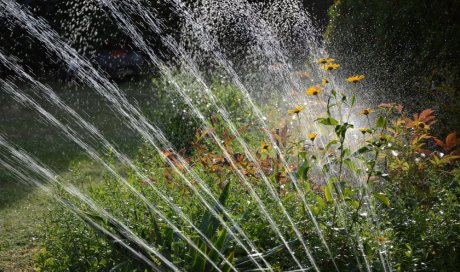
x: 175, y: 118
x: 383, y: 196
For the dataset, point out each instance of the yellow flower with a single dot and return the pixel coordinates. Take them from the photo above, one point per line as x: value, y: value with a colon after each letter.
x: 324, y: 81
x: 365, y: 130
x: 325, y: 60
x: 264, y: 147
x: 355, y: 79
x: 313, y: 90
x: 366, y: 111
x: 296, y: 110
x: 330, y: 66
x: 312, y: 136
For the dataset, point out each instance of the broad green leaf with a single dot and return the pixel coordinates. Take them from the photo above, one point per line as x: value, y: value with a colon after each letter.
x: 380, y: 122
x: 382, y: 198
x: 328, y: 121
x: 315, y: 210
x: 341, y: 130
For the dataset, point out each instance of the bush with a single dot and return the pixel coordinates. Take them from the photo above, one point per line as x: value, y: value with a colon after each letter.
x: 175, y: 118
x: 383, y: 196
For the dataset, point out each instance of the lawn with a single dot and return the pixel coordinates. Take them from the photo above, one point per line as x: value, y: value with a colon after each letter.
x: 22, y: 208
x: 21, y: 212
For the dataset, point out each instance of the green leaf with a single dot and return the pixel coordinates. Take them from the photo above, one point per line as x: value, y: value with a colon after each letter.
x: 168, y: 241
x: 353, y: 99
x: 199, y: 264
x: 209, y: 223
x: 408, y: 252
x: 328, y: 121
x: 302, y: 173
x: 341, y: 130
x: 230, y: 258
x: 219, y: 243
x: 362, y: 150
x: 354, y: 203
x: 303, y: 154
x: 380, y: 122
x: 315, y: 210
x: 350, y: 164
x: 347, y: 192
x: 328, y: 193
x: 333, y: 142
x: 382, y: 198
x: 320, y: 202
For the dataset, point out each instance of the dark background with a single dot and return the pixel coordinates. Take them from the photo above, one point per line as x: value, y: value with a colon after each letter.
x: 89, y: 29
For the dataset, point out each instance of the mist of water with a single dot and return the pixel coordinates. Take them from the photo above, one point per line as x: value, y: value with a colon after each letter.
x: 268, y: 47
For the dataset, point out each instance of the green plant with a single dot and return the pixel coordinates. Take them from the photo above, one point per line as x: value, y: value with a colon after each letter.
x: 374, y: 192
x: 177, y: 120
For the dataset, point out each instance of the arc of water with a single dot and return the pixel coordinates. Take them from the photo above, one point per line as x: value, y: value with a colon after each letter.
x: 91, y: 77
x: 341, y: 206
x: 191, y: 67
x: 101, y: 88
x: 212, y: 44
x: 269, y: 43
x: 371, y: 210
x: 137, y: 39
x: 101, y: 84
x: 316, y: 55
x: 22, y: 98
x: 27, y: 179
x: 28, y: 162
x: 58, y: 102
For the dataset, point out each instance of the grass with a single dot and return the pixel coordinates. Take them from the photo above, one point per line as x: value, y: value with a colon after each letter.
x: 21, y: 208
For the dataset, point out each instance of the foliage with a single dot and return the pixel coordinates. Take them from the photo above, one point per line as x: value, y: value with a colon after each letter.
x: 174, y: 116
x: 383, y: 196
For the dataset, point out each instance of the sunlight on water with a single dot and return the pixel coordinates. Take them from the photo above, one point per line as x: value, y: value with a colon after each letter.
x: 250, y: 46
